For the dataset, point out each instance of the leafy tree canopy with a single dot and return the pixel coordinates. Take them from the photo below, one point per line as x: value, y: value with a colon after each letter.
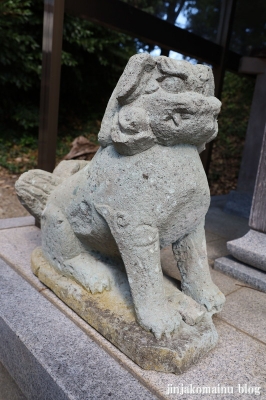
x: 92, y: 60
x: 93, y: 57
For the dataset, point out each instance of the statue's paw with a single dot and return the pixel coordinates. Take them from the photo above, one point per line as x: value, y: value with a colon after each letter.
x: 213, y: 299
x: 208, y: 295
x: 161, y: 322
x: 97, y: 283
x: 92, y: 274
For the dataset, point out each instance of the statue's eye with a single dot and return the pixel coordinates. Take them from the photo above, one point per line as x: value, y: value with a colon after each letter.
x: 186, y: 116
x: 172, y: 84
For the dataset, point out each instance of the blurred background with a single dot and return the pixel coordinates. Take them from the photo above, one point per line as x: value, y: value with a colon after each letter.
x: 93, y: 58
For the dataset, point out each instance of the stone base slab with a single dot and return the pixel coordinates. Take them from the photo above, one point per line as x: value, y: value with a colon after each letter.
x: 112, y: 314
x: 250, y: 249
x: 52, y: 358
x: 245, y: 273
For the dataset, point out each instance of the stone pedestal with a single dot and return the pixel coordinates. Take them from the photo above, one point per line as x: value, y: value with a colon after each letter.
x: 112, y: 314
x: 242, y: 272
x: 251, y: 248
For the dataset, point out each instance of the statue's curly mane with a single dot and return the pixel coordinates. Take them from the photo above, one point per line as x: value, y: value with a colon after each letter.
x: 126, y: 121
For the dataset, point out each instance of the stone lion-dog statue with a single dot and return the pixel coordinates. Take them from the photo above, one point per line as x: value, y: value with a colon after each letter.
x: 144, y: 189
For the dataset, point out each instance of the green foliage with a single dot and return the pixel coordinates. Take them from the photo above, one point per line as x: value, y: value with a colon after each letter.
x: 20, y: 44
x: 233, y: 121
x: 18, y: 153
x: 92, y: 60
x: 236, y: 100
x: 93, y: 57
x: 203, y: 17
x: 98, y: 56
x: 20, y: 60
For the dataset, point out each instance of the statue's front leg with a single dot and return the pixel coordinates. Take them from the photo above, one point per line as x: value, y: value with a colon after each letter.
x: 191, y: 256
x: 139, y: 248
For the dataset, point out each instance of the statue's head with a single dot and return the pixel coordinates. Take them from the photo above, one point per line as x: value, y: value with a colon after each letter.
x: 160, y: 100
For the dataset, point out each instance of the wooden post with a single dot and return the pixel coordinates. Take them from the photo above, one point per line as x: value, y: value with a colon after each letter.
x: 257, y: 220
x: 50, y: 83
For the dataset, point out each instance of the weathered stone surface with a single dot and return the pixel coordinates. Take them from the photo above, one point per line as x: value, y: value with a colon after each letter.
x: 118, y: 210
x: 112, y: 314
x: 49, y: 356
x: 8, y: 388
x: 34, y: 189
x: 243, y: 272
x: 243, y: 309
x: 236, y: 358
x: 70, y: 167
x: 250, y: 249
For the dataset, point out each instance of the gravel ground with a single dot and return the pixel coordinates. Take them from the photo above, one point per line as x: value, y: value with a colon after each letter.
x: 9, y: 204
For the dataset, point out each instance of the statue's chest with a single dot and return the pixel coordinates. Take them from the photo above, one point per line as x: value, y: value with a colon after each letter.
x: 160, y: 180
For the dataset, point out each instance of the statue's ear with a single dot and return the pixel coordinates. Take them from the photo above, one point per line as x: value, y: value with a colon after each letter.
x: 130, y: 85
x: 131, y: 132
x: 205, y: 78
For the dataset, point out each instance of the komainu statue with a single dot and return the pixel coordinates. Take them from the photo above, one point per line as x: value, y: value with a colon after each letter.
x: 145, y: 189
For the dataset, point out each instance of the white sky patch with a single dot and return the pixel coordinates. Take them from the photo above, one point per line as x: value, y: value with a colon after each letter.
x: 175, y: 55
x: 181, y: 21
x: 156, y: 51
